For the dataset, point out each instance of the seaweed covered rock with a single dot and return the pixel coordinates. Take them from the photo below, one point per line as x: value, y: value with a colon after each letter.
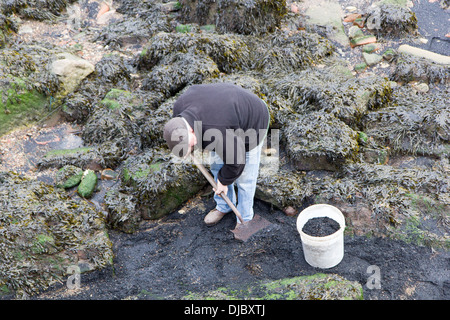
x: 68, y: 177
x: 112, y: 71
x: 44, y: 232
x: 27, y: 87
x: 178, y: 70
x: 283, y: 51
x: 244, y: 17
x: 315, y: 287
x: 332, y: 89
x: 119, y: 116
x: 7, y: 27
x: 319, y: 141
x: 413, y: 68
x: 140, y: 20
x: 80, y: 157
x: 35, y: 9
x: 283, y: 188
x: 230, y: 52
x: 412, y: 123
x: 160, y: 182
x: 391, y: 19
x: 122, y: 211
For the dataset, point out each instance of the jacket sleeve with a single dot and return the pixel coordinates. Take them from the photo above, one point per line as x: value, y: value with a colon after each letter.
x: 233, y: 156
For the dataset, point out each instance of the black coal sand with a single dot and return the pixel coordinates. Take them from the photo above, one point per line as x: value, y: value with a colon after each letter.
x: 320, y: 227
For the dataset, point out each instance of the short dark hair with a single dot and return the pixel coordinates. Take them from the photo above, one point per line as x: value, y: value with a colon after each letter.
x: 176, y: 135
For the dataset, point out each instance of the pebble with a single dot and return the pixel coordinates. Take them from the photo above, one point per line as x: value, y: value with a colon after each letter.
x: 371, y: 58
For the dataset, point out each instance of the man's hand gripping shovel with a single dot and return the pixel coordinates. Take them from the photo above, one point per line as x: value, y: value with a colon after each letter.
x: 245, y: 229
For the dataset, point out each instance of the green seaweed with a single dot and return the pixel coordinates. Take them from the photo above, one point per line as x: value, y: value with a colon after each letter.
x: 87, y: 185
x: 42, y: 230
x: 315, y: 287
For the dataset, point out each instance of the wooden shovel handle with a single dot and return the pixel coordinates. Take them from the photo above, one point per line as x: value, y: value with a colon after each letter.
x: 211, y: 180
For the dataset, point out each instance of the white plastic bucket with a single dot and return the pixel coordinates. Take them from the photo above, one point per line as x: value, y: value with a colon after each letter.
x: 322, y: 252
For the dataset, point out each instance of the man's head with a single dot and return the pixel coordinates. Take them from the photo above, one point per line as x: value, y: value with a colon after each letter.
x: 179, y: 136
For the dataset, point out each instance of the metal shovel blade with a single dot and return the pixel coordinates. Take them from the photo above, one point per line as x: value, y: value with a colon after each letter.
x: 244, y: 231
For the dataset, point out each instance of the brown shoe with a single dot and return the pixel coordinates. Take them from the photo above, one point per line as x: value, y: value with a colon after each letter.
x: 213, y: 217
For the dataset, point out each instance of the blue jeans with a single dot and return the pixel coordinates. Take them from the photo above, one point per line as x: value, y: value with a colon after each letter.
x: 246, y: 183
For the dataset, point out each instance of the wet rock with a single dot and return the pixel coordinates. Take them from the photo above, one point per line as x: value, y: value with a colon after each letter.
x: 118, y: 120
x: 391, y: 19
x: 370, y: 48
x: 110, y: 72
x: 68, y: 176
x: 136, y: 22
x: 316, y: 287
x: 332, y: 89
x: 27, y: 87
x: 389, y: 54
x: 87, y: 185
x: 362, y: 40
x: 326, y: 14
x: 283, y: 188
x: 71, y: 70
x: 122, y: 211
x: 42, y: 231
x: 109, y: 174
x: 319, y: 141
x: 412, y: 124
x: 38, y: 10
x: 412, y: 68
x: 243, y: 17
x: 421, y: 53
x: 229, y: 52
x: 284, y: 51
x: 371, y: 58
x: 355, y: 32
x: 160, y: 182
x: 79, y: 157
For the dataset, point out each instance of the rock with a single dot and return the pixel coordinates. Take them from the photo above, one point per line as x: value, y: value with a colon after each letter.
x: 245, y: 17
x: 319, y: 141
x: 362, y: 40
x: 359, y: 22
x: 352, y: 17
x: 375, y: 155
x: 411, y: 67
x: 370, y: 48
x: 391, y: 19
x: 355, y: 32
x: 421, y: 87
x: 160, y: 182
x: 68, y: 176
x: 42, y: 231
x: 315, y: 287
x: 389, y: 54
x: 360, y: 67
x: 88, y: 183
x: 371, y: 58
x: 421, y: 53
x: 79, y: 157
x: 109, y: 174
x: 26, y: 84
x: 71, y: 70
x: 290, y: 211
x: 328, y: 14
x: 122, y: 211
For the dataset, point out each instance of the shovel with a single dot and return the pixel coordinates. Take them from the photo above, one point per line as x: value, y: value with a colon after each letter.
x: 245, y: 229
